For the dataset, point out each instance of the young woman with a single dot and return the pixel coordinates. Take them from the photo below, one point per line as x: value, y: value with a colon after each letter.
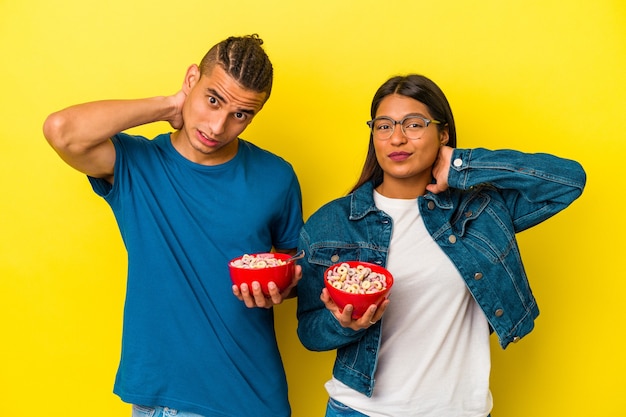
x: 443, y: 221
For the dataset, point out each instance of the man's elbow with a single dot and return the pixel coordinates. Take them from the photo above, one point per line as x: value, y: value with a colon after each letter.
x: 54, y: 128
x: 57, y: 129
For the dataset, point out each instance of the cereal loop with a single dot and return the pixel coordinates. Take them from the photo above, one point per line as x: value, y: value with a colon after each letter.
x: 257, y: 261
x: 358, y: 280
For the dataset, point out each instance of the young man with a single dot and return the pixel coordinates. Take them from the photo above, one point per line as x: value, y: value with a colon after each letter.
x: 186, y: 203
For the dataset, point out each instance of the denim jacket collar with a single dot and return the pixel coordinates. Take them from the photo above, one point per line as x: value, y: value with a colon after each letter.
x: 362, y: 201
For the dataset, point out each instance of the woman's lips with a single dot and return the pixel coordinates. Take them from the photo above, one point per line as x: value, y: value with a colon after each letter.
x: 399, y: 156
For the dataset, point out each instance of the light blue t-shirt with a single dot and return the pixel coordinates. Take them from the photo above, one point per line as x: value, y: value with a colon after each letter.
x: 188, y: 342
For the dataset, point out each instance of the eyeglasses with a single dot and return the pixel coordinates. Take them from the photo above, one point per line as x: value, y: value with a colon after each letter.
x: 413, y: 127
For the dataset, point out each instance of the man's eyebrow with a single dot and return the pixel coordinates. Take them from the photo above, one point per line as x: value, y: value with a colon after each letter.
x: 212, y: 92
x: 217, y: 95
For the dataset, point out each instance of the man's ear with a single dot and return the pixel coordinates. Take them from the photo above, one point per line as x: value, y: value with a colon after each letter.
x: 191, y: 78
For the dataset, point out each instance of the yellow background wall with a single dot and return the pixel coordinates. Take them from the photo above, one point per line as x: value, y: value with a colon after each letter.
x: 533, y: 75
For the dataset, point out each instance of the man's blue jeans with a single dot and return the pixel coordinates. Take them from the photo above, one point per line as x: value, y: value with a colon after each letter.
x: 144, y: 411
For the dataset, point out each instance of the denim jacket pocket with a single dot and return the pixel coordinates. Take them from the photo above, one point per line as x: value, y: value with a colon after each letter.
x: 469, y: 211
x: 330, y: 253
x: 486, y: 226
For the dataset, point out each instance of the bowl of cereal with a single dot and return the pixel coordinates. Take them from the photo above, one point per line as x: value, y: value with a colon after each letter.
x: 358, y: 283
x: 263, y: 268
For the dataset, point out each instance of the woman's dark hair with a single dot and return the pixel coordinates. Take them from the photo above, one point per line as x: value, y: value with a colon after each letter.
x: 244, y: 59
x: 421, y: 89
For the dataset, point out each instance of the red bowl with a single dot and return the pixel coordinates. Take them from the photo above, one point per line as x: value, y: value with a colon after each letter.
x: 360, y: 302
x: 281, y: 275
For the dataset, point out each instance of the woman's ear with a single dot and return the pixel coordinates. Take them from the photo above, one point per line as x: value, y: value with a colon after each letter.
x: 191, y: 78
x: 444, y: 136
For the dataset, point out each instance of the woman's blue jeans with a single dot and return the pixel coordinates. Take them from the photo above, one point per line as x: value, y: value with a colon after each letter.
x: 336, y: 409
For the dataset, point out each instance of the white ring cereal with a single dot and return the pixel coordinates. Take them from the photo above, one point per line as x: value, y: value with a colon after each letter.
x: 257, y: 261
x: 357, y: 280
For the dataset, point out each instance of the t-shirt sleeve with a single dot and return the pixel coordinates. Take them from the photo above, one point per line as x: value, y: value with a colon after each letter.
x: 105, y: 189
x: 287, y: 228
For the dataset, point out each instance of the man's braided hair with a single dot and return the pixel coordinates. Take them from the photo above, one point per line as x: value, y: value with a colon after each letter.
x: 244, y: 59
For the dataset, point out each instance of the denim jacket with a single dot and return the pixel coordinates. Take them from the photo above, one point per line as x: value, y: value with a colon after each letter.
x: 492, y: 195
